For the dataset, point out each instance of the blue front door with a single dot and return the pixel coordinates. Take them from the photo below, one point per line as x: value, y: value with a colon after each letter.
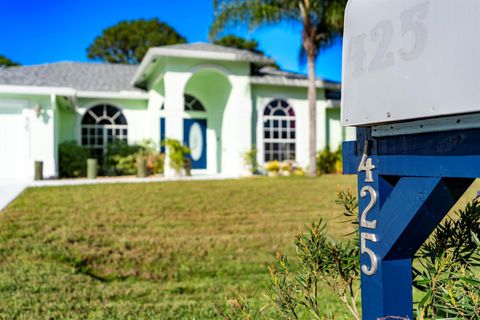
x: 195, y: 137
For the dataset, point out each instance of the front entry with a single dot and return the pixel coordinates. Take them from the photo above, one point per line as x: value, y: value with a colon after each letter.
x: 195, y: 137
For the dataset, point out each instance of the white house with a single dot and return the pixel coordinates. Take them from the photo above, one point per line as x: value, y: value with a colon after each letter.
x: 222, y: 102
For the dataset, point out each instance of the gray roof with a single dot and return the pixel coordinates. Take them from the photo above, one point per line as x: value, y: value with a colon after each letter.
x: 242, y: 55
x: 272, y: 76
x: 102, y: 77
x: 76, y: 75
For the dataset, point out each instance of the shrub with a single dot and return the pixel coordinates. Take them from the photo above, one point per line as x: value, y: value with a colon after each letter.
x: 446, y: 272
x: 250, y: 160
x: 177, y: 154
x: 329, y: 162
x: 449, y: 268
x: 120, y: 158
x: 72, y: 160
x: 156, y: 163
x: 155, y: 159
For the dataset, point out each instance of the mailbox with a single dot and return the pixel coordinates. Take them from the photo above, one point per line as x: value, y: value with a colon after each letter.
x: 410, y: 59
x: 411, y: 86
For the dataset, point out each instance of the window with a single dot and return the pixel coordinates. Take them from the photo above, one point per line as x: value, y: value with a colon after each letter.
x: 279, y: 131
x: 193, y: 104
x: 101, y: 125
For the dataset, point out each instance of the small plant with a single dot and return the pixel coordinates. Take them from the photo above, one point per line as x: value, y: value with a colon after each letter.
x: 154, y: 159
x: 250, y: 160
x: 329, y: 162
x: 287, y: 167
x: 72, y: 159
x: 446, y: 270
x: 273, y: 167
x: 299, y: 172
x: 177, y: 154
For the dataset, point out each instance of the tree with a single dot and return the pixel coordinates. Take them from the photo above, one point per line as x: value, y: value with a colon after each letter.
x: 4, y: 61
x: 128, y: 41
x: 321, y: 22
x: 238, y: 42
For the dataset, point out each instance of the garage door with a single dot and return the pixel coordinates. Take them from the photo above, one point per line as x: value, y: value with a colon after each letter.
x: 13, y: 144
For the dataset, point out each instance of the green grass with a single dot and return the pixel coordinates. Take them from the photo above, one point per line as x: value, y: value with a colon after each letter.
x: 154, y: 251
x: 157, y: 250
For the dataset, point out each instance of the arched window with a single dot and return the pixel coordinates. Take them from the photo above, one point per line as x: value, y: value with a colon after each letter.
x: 279, y: 131
x: 103, y: 124
x: 193, y: 104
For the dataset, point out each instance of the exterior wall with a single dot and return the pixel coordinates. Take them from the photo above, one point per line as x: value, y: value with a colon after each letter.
x: 297, y: 98
x: 67, y: 125
x: 334, y: 131
x: 33, y: 137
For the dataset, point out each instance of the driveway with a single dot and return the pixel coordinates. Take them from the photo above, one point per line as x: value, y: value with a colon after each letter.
x: 9, y: 190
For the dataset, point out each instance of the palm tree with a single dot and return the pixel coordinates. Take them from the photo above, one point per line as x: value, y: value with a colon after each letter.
x: 321, y: 22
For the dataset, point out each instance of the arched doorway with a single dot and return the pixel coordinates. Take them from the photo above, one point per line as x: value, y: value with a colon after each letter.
x: 207, y: 94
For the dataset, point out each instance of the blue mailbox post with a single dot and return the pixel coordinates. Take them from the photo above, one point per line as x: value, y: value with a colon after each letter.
x: 410, y: 87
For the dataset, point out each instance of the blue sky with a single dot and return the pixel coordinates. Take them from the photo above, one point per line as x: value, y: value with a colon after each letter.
x: 35, y: 32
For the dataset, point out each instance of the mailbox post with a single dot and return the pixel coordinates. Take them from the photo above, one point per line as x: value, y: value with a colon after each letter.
x: 410, y: 87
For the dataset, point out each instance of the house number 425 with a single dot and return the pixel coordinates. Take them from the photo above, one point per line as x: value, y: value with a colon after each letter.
x: 381, y: 38
x: 366, y: 165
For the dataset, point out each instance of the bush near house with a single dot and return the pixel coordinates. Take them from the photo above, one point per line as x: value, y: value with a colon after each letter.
x: 72, y: 159
x: 121, y: 158
x: 250, y: 160
x: 284, y: 168
x: 329, y: 162
x: 177, y: 154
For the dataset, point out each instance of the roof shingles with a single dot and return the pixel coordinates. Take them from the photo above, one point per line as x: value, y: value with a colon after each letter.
x: 101, y: 77
x: 76, y: 75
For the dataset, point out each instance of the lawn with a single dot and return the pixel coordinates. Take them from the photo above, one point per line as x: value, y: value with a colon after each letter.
x: 153, y: 251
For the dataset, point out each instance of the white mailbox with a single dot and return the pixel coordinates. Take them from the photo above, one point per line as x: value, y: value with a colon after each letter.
x: 410, y: 59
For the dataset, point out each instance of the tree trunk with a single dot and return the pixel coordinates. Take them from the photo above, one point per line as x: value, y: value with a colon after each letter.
x: 312, y: 119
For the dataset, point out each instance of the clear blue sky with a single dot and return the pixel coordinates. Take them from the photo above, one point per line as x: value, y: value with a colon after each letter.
x: 34, y: 32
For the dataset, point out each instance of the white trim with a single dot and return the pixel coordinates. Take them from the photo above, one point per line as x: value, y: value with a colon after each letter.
x: 281, y: 81
x: 36, y: 90
x: 152, y: 53
x: 63, y: 91
x: 113, y: 95
x: 457, y: 122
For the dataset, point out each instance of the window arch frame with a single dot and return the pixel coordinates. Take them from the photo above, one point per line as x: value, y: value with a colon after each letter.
x: 279, y: 131
x: 192, y: 103
x: 101, y: 124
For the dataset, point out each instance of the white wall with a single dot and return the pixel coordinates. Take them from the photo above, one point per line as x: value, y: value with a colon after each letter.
x: 26, y: 137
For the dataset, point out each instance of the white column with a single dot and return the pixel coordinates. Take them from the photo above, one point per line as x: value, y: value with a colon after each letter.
x: 237, y: 127
x: 55, y: 128
x: 155, y: 101
x: 321, y: 125
x: 174, y: 104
